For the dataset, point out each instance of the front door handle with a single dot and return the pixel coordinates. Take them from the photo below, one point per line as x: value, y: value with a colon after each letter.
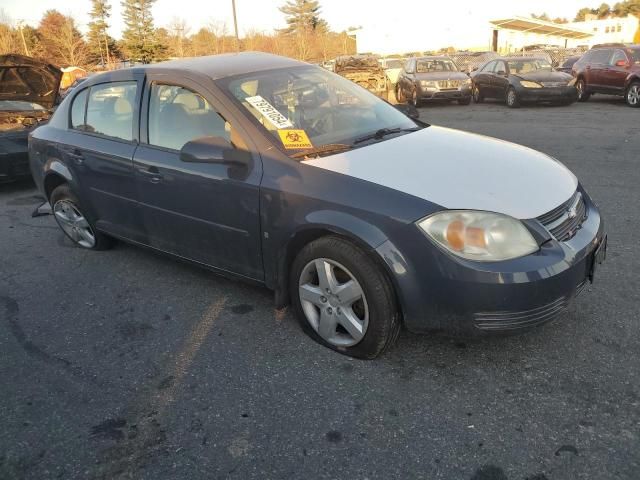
x: 152, y: 173
x: 76, y: 156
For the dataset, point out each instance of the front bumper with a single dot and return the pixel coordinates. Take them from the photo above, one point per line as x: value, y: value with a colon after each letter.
x: 440, y: 292
x: 444, y: 94
x: 548, y: 94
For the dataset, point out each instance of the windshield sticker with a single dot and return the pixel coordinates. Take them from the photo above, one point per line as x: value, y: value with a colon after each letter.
x: 294, y: 139
x: 269, y: 112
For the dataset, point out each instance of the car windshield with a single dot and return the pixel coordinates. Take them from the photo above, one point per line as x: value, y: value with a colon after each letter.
x: 424, y: 66
x: 308, y: 108
x: 393, y: 64
x: 19, y: 106
x: 526, y: 66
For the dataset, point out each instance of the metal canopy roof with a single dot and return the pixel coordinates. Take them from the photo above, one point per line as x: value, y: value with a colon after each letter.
x: 533, y: 25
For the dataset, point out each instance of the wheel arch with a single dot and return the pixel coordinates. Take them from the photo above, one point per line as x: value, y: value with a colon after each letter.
x: 52, y: 180
x: 367, y: 239
x: 632, y: 78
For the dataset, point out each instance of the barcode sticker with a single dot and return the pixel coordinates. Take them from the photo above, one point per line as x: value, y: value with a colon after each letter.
x: 269, y: 112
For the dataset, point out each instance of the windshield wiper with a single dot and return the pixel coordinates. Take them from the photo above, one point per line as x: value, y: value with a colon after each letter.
x: 323, y: 150
x: 383, y: 132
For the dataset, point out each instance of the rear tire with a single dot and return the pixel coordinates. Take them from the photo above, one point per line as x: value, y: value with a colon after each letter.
x: 632, y: 95
x: 317, y: 280
x: 512, y: 98
x: 581, y: 87
x: 75, y: 221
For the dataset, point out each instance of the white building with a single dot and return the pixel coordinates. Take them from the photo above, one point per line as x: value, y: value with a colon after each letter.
x: 512, y: 34
x: 609, y: 30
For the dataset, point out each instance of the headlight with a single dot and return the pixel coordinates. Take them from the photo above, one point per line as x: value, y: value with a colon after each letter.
x: 426, y: 84
x: 466, y: 81
x: 528, y: 84
x: 481, y: 236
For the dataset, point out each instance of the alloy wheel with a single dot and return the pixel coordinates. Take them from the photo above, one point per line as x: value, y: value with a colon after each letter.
x: 476, y: 94
x: 74, y: 223
x: 333, y: 302
x: 633, y: 95
x: 511, y: 97
x: 580, y: 88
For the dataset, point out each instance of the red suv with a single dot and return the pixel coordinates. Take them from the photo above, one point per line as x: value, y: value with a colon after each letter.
x: 610, y: 70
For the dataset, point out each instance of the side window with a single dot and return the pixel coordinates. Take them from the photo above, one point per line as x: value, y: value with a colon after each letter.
x: 110, y: 109
x: 617, y: 56
x: 407, y: 66
x: 178, y: 115
x: 488, y: 67
x: 601, y: 56
x: 500, y: 67
x: 78, y: 108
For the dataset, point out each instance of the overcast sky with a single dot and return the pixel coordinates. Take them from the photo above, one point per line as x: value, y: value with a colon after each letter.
x: 424, y: 23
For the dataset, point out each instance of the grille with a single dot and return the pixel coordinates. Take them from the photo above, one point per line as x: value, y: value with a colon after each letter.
x: 449, y: 83
x: 564, y: 221
x: 554, y: 84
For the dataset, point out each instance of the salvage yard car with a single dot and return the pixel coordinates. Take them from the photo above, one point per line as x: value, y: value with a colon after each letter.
x: 28, y: 92
x: 612, y: 70
x: 432, y: 78
x: 283, y: 174
x: 366, y: 71
x: 523, y: 79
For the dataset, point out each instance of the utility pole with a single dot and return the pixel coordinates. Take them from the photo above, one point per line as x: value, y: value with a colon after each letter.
x: 24, y: 42
x: 235, y: 24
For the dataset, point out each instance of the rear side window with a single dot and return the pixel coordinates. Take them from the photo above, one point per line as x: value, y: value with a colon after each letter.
x: 78, y: 108
x: 617, y: 56
x: 110, y: 110
x: 600, y: 56
x: 178, y: 115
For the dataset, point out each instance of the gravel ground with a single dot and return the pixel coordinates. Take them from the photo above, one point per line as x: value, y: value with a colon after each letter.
x: 126, y: 364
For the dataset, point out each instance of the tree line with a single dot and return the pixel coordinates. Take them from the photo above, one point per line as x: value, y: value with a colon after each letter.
x: 58, y: 39
x: 620, y: 9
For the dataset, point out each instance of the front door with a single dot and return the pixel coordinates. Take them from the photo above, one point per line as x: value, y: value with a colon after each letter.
x: 205, y: 212
x: 614, y: 76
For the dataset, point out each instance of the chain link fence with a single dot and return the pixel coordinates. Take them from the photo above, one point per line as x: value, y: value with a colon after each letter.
x: 468, y: 61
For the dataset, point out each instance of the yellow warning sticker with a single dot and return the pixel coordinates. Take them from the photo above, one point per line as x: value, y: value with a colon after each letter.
x: 293, y: 139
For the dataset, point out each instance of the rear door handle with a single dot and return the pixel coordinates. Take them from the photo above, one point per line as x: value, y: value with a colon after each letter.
x: 152, y: 173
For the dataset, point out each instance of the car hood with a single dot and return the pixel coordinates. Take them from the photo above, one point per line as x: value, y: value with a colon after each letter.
x: 29, y: 80
x: 441, y: 76
x: 545, y: 76
x: 459, y: 170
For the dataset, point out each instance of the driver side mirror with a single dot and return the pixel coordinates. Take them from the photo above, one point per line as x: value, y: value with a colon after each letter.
x: 213, y: 150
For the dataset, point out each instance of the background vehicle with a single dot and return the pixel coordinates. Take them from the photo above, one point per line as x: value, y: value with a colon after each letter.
x: 567, y: 65
x: 366, y: 71
x: 28, y: 93
x: 522, y: 79
x: 470, y: 61
x: 432, y: 78
x: 69, y: 89
x: 392, y: 68
x: 609, y: 70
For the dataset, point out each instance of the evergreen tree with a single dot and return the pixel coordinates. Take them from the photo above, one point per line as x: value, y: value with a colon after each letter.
x: 303, y: 16
x: 139, y: 35
x: 102, y: 48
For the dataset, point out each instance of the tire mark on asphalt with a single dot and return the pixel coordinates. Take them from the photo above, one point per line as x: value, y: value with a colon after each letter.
x: 11, y: 309
x: 145, y: 437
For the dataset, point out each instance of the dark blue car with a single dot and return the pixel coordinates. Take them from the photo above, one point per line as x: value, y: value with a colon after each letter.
x: 284, y: 174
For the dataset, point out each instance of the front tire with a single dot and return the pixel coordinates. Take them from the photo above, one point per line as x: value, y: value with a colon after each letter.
x: 415, y: 101
x: 464, y: 101
x: 512, y: 98
x: 400, y: 97
x: 72, y: 218
x: 632, y: 96
x: 343, y: 299
x: 581, y: 87
x: 478, y: 97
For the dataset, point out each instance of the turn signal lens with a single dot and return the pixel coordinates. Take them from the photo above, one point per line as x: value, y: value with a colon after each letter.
x: 482, y: 236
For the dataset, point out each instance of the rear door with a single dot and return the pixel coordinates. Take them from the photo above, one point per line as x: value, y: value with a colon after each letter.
x: 613, y: 76
x: 98, y: 149
x: 482, y: 79
x: 205, y: 212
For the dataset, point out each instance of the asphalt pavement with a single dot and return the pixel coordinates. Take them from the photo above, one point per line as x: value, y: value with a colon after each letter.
x: 127, y: 364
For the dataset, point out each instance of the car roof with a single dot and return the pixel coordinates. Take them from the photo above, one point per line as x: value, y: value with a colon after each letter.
x: 227, y: 64
x: 516, y: 59
x: 434, y: 57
